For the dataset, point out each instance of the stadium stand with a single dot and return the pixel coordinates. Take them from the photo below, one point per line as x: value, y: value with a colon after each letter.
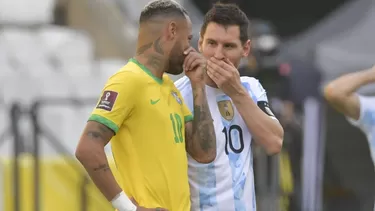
x: 66, y: 67
x: 24, y: 12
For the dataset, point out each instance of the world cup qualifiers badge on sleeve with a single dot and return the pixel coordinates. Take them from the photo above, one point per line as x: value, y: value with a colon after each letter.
x: 175, y: 95
x: 107, y: 100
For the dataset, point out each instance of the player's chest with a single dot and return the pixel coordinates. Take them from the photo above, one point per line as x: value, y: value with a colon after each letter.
x: 223, y: 110
x: 231, y: 131
x: 159, y: 102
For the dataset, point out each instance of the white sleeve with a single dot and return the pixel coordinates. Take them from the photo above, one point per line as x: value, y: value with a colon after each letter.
x: 258, y: 94
x: 366, y: 119
x: 184, y: 86
x: 255, y: 89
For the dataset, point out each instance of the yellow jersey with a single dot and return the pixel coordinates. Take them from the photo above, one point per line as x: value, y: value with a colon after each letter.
x: 148, y: 117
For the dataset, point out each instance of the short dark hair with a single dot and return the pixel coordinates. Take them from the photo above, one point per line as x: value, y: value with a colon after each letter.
x: 227, y: 15
x: 161, y: 8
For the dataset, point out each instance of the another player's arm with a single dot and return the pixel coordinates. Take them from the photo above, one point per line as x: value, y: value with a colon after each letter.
x: 90, y: 152
x: 200, y: 133
x: 266, y: 131
x: 340, y: 93
x: 114, y: 107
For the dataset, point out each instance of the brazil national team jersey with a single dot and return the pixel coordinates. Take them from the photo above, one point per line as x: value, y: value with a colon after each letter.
x: 148, y: 116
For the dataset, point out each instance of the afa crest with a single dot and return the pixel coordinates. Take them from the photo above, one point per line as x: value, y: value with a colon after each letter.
x: 175, y: 95
x: 226, y: 109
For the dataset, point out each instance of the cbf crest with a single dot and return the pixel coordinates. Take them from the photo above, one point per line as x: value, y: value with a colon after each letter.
x: 226, y: 109
x: 175, y: 95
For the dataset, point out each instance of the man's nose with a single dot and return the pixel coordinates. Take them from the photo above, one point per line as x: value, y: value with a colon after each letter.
x: 219, y: 53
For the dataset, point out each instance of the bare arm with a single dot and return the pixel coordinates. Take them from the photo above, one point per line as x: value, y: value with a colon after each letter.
x: 340, y: 93
x: 90, y: 152
x: 200, y: 133
x: 267, y: 132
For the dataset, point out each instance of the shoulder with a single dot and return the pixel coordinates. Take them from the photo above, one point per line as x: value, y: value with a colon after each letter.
x: 367, y: 110
x: 183, y: 85
x: 128, y: 75
x: 367, y: 113
x: 251, y: 81
x: 253, y: 86
x: 367, y: 101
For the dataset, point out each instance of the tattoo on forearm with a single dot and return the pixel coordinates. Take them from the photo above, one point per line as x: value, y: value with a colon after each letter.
x: 102, y: 167
x: 203, y: 129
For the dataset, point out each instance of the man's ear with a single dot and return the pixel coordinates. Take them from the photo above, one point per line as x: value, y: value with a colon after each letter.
x: 172, y: 30
x: 246, y: 48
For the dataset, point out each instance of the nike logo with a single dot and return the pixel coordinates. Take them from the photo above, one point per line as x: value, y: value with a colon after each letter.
x: 153, y: 102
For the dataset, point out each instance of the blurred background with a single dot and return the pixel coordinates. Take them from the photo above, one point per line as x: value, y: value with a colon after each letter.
x: 56, y: 55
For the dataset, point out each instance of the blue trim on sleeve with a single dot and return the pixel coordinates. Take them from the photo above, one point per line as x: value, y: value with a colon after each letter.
x: 251, y: 93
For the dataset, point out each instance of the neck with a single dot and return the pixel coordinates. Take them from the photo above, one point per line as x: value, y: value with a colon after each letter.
x: 150, y: 54
x: 154, y: 62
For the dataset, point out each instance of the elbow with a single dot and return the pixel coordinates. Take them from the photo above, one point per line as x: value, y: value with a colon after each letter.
x: 205, y: 158
x: 332, y: 93
x: 275, y: 143
x: 209, y: 158
x: 275, y: 147
x: 82, y: 154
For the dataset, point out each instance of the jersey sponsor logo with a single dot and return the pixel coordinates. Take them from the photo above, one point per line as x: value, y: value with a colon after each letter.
x: 107, y: 100
x: 226, y: 109
x: 153, y: 102
x: 175, y: 95
x: 263, y: 105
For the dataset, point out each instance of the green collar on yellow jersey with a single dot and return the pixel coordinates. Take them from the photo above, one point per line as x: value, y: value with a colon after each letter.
x: 158, y: 80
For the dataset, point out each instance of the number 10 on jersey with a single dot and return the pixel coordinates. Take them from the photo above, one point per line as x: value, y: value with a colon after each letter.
x: 229, y: 139
x: 177, y: 128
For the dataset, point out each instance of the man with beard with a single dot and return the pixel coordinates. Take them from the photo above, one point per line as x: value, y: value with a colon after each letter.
x: 240, y: 111
x: 144, y: 116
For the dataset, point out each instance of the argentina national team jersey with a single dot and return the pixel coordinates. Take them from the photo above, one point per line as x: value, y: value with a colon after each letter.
x: 366, y: 122
x: 227, y: 184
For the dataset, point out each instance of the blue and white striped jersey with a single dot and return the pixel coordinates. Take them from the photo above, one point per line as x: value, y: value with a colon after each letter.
x: 227, y: 184
x: 366, y: 121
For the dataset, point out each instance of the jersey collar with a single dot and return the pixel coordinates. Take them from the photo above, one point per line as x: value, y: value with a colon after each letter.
x: 146, y: 70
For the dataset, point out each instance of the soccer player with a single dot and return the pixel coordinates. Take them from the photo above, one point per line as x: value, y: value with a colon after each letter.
x: 144, y: 116
x: 240, y: 111
x: 360, y: 110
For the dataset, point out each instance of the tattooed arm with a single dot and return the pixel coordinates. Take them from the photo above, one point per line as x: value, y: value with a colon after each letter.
x: 200, y: 133
x: 90, y: 152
